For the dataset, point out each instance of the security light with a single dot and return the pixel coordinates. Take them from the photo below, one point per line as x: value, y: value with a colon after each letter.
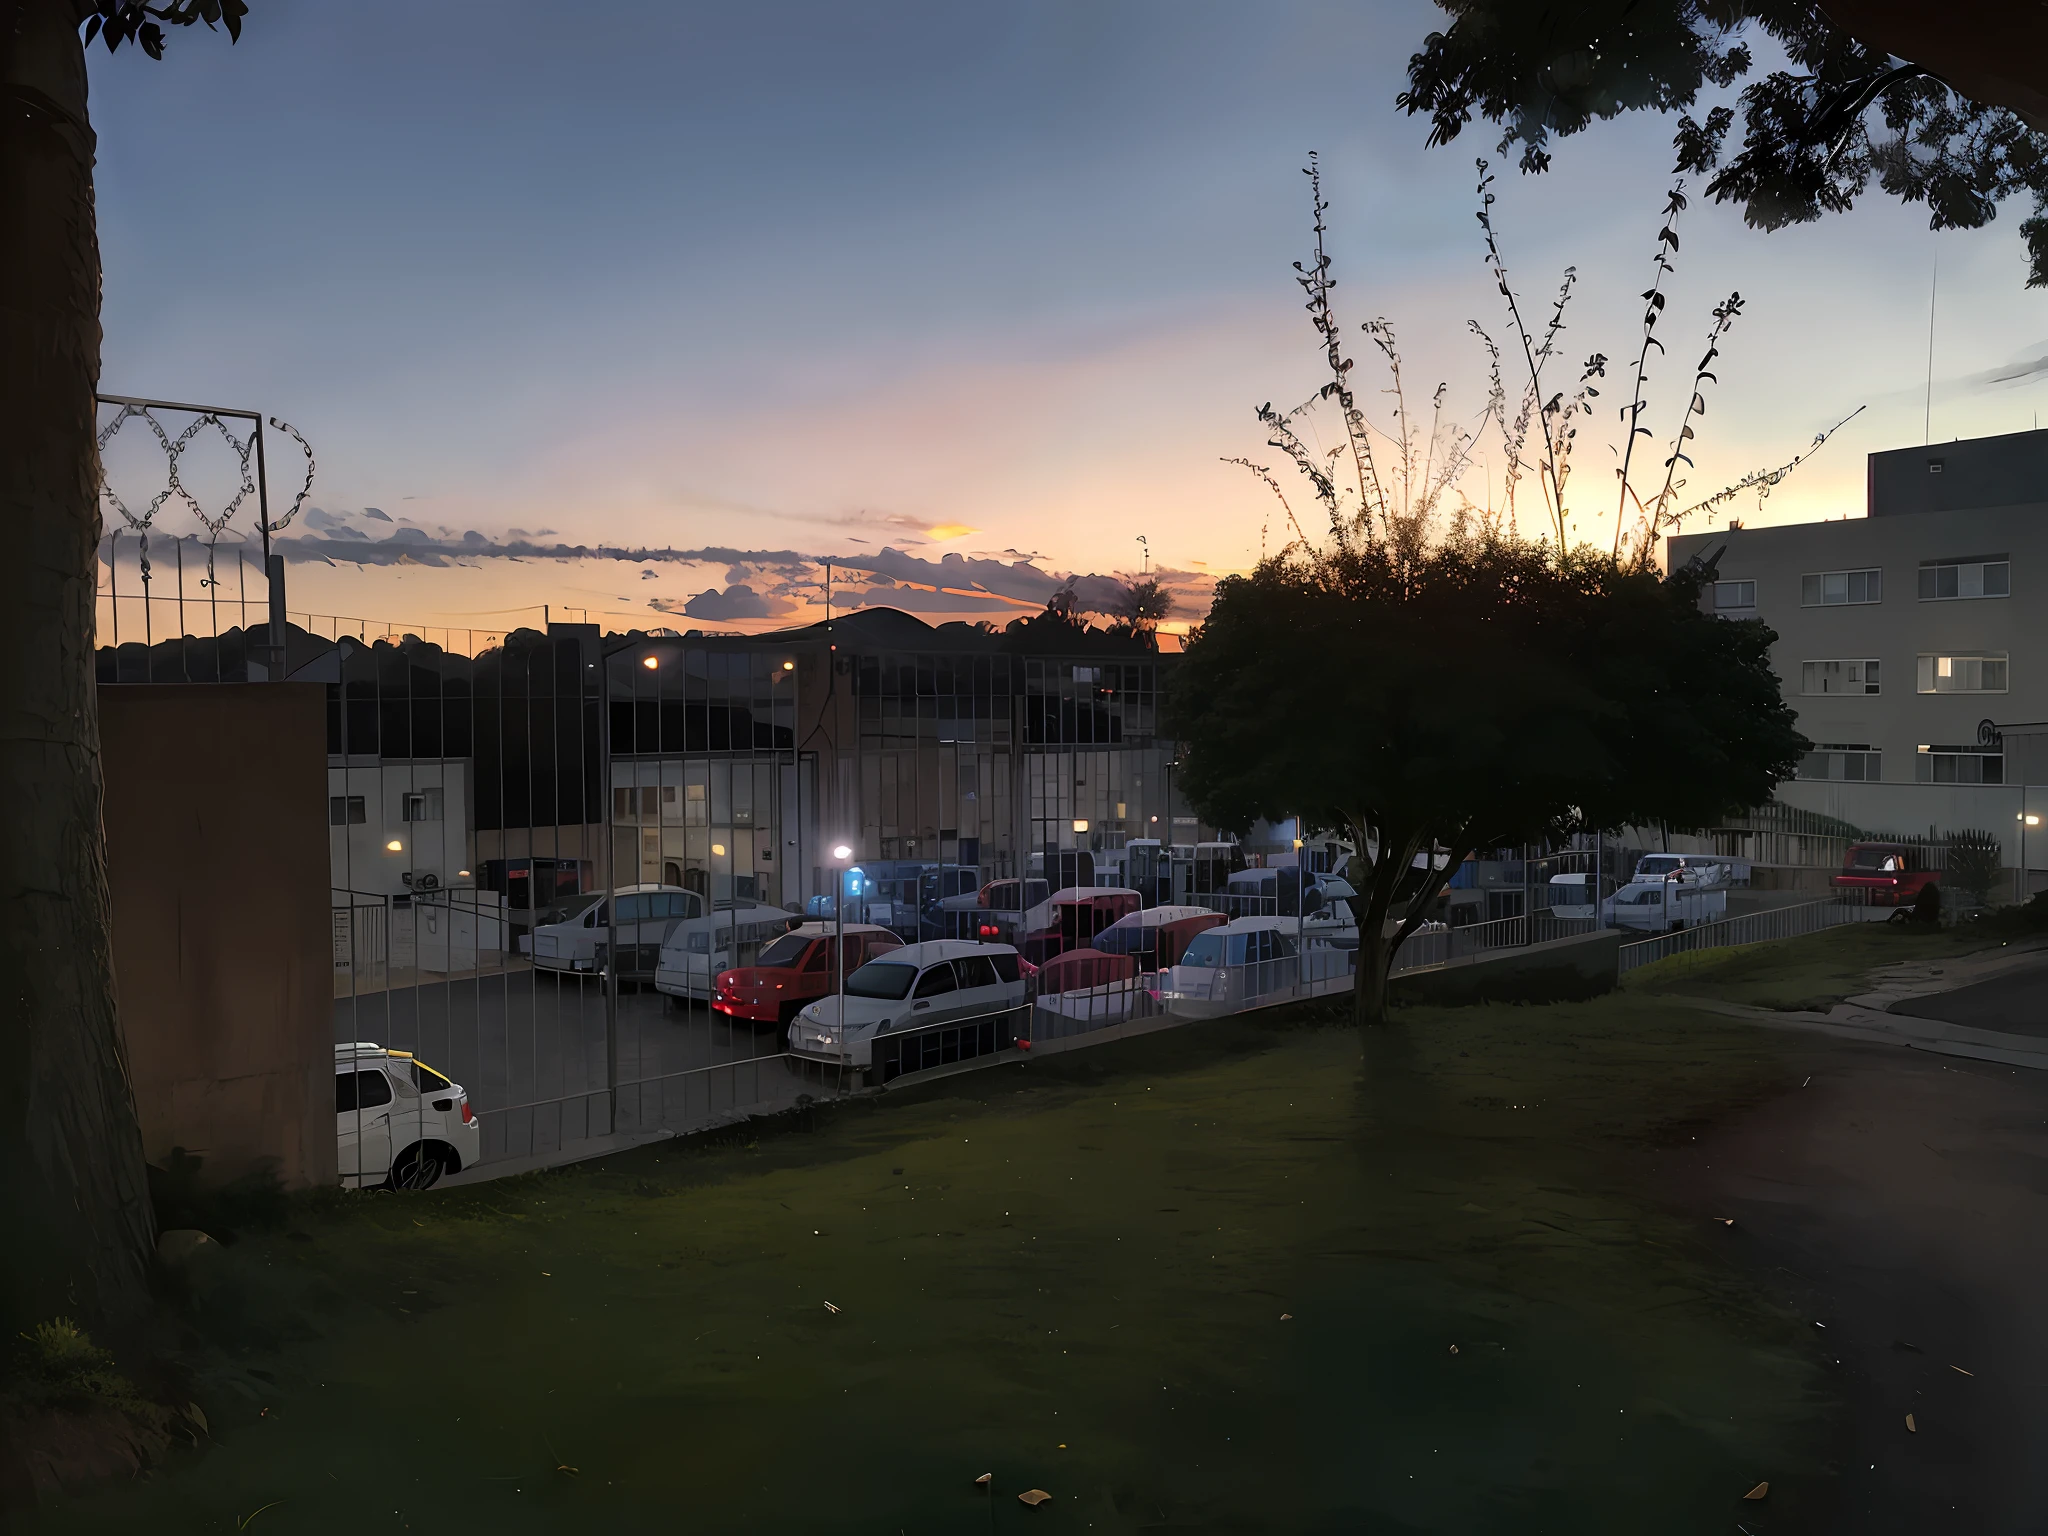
x: 394, y: 846
x: 842, y: 852
x: 789, y: 666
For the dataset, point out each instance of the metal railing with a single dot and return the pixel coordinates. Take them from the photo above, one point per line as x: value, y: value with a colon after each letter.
x: 1752, y: 928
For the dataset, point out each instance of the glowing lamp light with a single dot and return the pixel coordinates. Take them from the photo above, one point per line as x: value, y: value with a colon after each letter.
x: 718, y: 850
x: 650, y: 662
x: 462, y: 874
x: 2031, y: 821
x: 842, y: 852
x: 1080, y: 825
x: 394, y: 846
x: 789, y: 666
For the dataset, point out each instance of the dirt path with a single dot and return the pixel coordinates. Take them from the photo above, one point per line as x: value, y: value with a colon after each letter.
x: 1901, y: 1200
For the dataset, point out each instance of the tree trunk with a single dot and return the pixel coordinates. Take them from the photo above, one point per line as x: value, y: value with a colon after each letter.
x: 75, y: 1218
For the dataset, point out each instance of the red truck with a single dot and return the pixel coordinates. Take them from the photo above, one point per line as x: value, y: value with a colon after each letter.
x: 1893, y: 873
x: 793, y: 970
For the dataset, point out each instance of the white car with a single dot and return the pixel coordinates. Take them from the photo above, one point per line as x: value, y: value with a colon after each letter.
x: 398, y: 1124
x: 698, y: 948
x: 1243, y: 963
x: 908, y: 988
x: 645, y: 913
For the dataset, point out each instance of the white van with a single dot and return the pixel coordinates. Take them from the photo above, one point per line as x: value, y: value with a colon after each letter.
x: 1245, y: 962
x: 934, y: 982
x: 645, y: 913
x: 698, y: 948
x: 398, y: 1124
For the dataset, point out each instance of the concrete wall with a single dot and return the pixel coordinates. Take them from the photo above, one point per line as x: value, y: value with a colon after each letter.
x: 216, y: 817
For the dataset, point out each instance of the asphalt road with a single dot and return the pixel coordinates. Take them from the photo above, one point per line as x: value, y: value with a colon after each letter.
x: 2016, y: 1003
x: 530, y: 1050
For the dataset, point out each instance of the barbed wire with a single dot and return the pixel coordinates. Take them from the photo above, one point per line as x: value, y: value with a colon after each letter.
x: 243, y: 448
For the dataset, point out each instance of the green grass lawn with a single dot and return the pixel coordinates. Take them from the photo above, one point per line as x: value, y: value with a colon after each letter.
x: 1816, y: 971
x: 1210, y: 1279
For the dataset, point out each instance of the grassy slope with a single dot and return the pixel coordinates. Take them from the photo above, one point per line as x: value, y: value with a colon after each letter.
x: 1091, y: 1251
x: 1816, y: 971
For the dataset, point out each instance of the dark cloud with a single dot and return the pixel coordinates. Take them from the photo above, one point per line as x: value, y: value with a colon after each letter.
x: 735, y: 602
x: 377, y: 512
x: 737, y: 574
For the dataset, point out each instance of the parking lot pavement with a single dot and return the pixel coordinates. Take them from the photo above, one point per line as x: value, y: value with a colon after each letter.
x: 530, y: 1050
x: 2014, y: 1002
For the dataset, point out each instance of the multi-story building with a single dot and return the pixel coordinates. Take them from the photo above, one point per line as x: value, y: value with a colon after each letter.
x: 1910, y: 639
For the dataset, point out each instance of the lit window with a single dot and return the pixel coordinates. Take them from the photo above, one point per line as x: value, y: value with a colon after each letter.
x: 1965, y: 672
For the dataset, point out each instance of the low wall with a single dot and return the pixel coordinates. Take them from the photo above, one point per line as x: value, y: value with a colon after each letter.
x: 216, y: 818
x: 1559, y: 970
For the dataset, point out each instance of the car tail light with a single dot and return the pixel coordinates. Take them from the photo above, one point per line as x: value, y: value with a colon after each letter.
x: 988, y: 930
x: 467, y: 1114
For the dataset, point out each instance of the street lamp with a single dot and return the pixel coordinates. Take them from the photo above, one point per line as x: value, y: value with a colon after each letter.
x: 840, y: 854
x: 652, y: 662
x: 2025, y: 821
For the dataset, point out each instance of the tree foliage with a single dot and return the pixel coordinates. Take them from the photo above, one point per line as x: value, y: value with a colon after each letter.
x: 1843, y: 112
x: 1476, y: 692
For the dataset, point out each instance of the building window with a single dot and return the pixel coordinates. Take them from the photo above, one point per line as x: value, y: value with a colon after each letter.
x: 1734, y: 594
x: 346, y: 811
x: 1827, y: 589
x: 1985, y: 576
x: 1852, y: 762
x: 420, y: 805
x: 1958, y: 765
x: 630, y: 803
x: 1839, y: 676
x: 696, y: 809
x: 1969, y: 672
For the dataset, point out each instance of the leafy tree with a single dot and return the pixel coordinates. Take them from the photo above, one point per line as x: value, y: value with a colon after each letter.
x: 74, y: 1205
x: 1480, y: 692
x: 1941, y: 105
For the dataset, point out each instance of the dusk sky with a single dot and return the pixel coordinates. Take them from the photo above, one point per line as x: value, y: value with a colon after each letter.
x: 774, y: 283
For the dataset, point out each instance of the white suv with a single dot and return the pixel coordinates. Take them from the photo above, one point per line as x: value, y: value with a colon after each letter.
x: 908, y: 988
x: 398, y: 1124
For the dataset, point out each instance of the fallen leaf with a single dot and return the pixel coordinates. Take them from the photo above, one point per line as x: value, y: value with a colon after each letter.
x: 985, y: 1479
x: 1961, y: 1372
x: 549, y: 1273
x: 1726, y: 1221
x: 1761, y: 1490
x: 1033, y: 1496
x: 1063, y: 1445
x: 830, y: 1308
x: 1911, y: 1427
x: 1454, y: 1349
x: 1286, y: 1317
x: 571, y: 1471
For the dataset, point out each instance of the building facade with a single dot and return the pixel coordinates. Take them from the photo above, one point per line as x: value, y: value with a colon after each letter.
x: 1910, y: 639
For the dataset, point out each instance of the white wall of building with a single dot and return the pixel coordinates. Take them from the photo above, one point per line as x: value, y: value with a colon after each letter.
x: 422, y: 807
